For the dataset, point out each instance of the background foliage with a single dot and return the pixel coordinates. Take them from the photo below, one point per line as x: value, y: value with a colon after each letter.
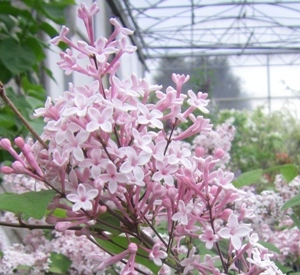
x: 25, y: 29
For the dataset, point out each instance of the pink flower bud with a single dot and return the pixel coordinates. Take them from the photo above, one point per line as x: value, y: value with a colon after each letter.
x: 5, y: 144
x: 213, y: 190
x: 19, y: 141
x: 199, y: 152
x: 226, y: 213
x: 219, y: 153
x: 132, y: 248
x: 19, y: 168
x: 63, y: 226
x: 102, y: 209
x: 7, y: 170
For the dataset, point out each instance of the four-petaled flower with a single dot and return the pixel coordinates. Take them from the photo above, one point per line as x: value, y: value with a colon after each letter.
x: 182, y: 215
x: 234, y: 231
x: 198, y: 101
x: 100, y: 120
x: 157, y: 254
x: 150, y: 118
x: 112, y: 176
x: 209, y: 238
x: 83, y: 198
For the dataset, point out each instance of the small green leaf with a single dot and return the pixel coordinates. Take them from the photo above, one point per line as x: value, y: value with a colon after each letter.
x: 60, y: 213
x: 7, y: 21
x: 248, y: 178
x: 47, y: 28
x: 7, y: 8
x: 107, y: 218
x: 34, y: 90
x: 54, y: 11
x: 292, y: 202
x: 119, y: 244
x: 60, y: 263
x: 270, y: 246
x: 38, y: 125
x: 30, y: 204
x: 15, y: 57
x: 6, y: 75
x: 36, y: 46
x: 296, y: 220
x: 284, y: 269
x: 6, y: 120
x: 289, y: 172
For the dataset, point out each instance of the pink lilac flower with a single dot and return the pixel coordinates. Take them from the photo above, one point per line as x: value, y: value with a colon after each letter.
x: 182, y: 214
x: 75, y: 142
x: 134, y: 161
x: 113, y: 177
x: 165, y: 172
x: 234, y: 231
x: 199, y: 101
x: 83, y: 198
x: 150, y: 118
x: 209, y: 238
x: 156, y: 254
x: 100, y: 120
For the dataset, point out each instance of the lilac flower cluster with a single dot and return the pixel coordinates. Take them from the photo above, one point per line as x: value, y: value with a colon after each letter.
x: 220, y: 138
x: 107, y: 153
x: 274, y: 225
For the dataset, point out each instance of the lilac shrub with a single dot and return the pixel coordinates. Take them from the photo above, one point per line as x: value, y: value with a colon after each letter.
x: 123, y: 176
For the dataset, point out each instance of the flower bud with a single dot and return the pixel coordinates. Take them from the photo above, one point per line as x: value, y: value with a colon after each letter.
x: 7, y: 170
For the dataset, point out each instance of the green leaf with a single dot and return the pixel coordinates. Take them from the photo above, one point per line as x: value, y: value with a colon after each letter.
x: 248, y: 178
x: 296, y: 220
x: 47, y: 28
x: 7, y: 8
x: 6, y: 75
x: 38, y: 125
x: 119, y: 244
x: 7, y: 21
x: 6, y: 120
x: 289, y: 172
x: 292, y: 202
x: 270, y: 246
x: 107, y: 218
x: 15, y: 57
x: 60, y: 263
x: 34, y: 90
x: 54, y: 11
x: 36, y: 46
x: 18, y: 101
x: 284, y: 269
x: 59, y: 213
x: 30, y: 204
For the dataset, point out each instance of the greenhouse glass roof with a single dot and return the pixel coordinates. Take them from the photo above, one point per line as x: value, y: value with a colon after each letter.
x: 211, y: 27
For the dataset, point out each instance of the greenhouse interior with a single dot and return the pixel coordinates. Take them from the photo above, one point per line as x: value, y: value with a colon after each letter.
x: 150, y: 137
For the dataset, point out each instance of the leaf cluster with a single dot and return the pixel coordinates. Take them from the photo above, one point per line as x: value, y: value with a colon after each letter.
x: 24, y: 28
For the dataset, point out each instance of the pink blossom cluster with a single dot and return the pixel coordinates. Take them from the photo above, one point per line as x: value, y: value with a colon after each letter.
x: 34, y: 253
x: 108, y: 154
x: 274, y: 225
x: 218, y: 138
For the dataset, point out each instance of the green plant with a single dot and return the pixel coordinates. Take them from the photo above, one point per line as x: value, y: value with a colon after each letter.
x: 24, y: 28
